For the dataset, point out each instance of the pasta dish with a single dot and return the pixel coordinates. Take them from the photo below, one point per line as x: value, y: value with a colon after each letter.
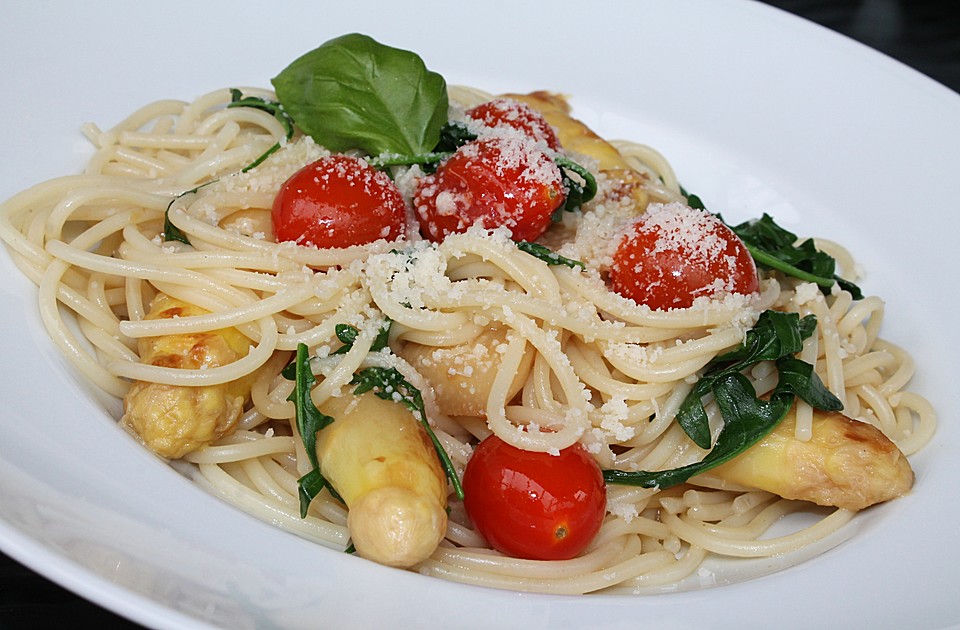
x: 462, y: 333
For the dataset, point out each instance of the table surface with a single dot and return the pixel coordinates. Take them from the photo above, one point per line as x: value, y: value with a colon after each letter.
x: 924, y: 34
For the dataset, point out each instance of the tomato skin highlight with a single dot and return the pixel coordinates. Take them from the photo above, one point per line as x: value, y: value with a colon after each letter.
x: 534, y: 505
x: 338, y: 201
x: 516, y: 115
x: 495, y: 181
x: 674, y: 254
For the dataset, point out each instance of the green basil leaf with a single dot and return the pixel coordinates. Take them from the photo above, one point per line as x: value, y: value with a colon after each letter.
x: 355, y: 93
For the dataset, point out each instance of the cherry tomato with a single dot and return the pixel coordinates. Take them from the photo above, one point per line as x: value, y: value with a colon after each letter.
x: 534, y: 505
x: 495, y: 181
x: 516, y: 115
x: 338, y: 201
x: 675, y: 254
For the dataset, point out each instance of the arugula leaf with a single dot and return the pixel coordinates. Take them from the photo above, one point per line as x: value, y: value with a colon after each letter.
x: 747, y: 419
x: 237, y: 99
x: 692, y: 200
x: 274, y: 108
x: 775, y: 335
x: 773, y: 247
x: 798, y: 378
x: 347, y: 335
x: 308, y: 487
x: 170, y: 231
x: 547, y: 255
x: 353, y: 92
x: 271, y: 107
x: 310, y: 421
x: 429, y: 161
x: 389, y: 384
x: 453, y: 135
x: 577, y: 193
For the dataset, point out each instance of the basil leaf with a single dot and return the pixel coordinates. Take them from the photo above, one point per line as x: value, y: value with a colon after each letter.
x: 746, y: 420
x: 389, y: 384
x: 355, y: 93
x: 547, y: 255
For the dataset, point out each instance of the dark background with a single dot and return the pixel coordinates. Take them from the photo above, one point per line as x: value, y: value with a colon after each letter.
x: 924, y: 34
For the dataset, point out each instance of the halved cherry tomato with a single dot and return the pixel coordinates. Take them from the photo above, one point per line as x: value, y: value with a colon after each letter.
x: 675, y: 254
x: 534, y: 505
x: 495, y: 181
x: 338, y: 201
x: 516, y: 115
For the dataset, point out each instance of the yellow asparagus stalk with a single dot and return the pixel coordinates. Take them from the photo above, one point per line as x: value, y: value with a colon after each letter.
x: 381, y: 462
x: 846, y: 463
x: 173, y: 420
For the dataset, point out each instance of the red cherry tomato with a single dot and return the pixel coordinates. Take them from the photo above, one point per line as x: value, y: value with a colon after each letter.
x: 675, y: 254
x: 338, y: 201
x: 516, y: 115
x: 495, y: 181
x: 534, y: 505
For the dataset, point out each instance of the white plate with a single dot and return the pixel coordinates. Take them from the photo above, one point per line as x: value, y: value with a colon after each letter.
x: 756, y: 109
